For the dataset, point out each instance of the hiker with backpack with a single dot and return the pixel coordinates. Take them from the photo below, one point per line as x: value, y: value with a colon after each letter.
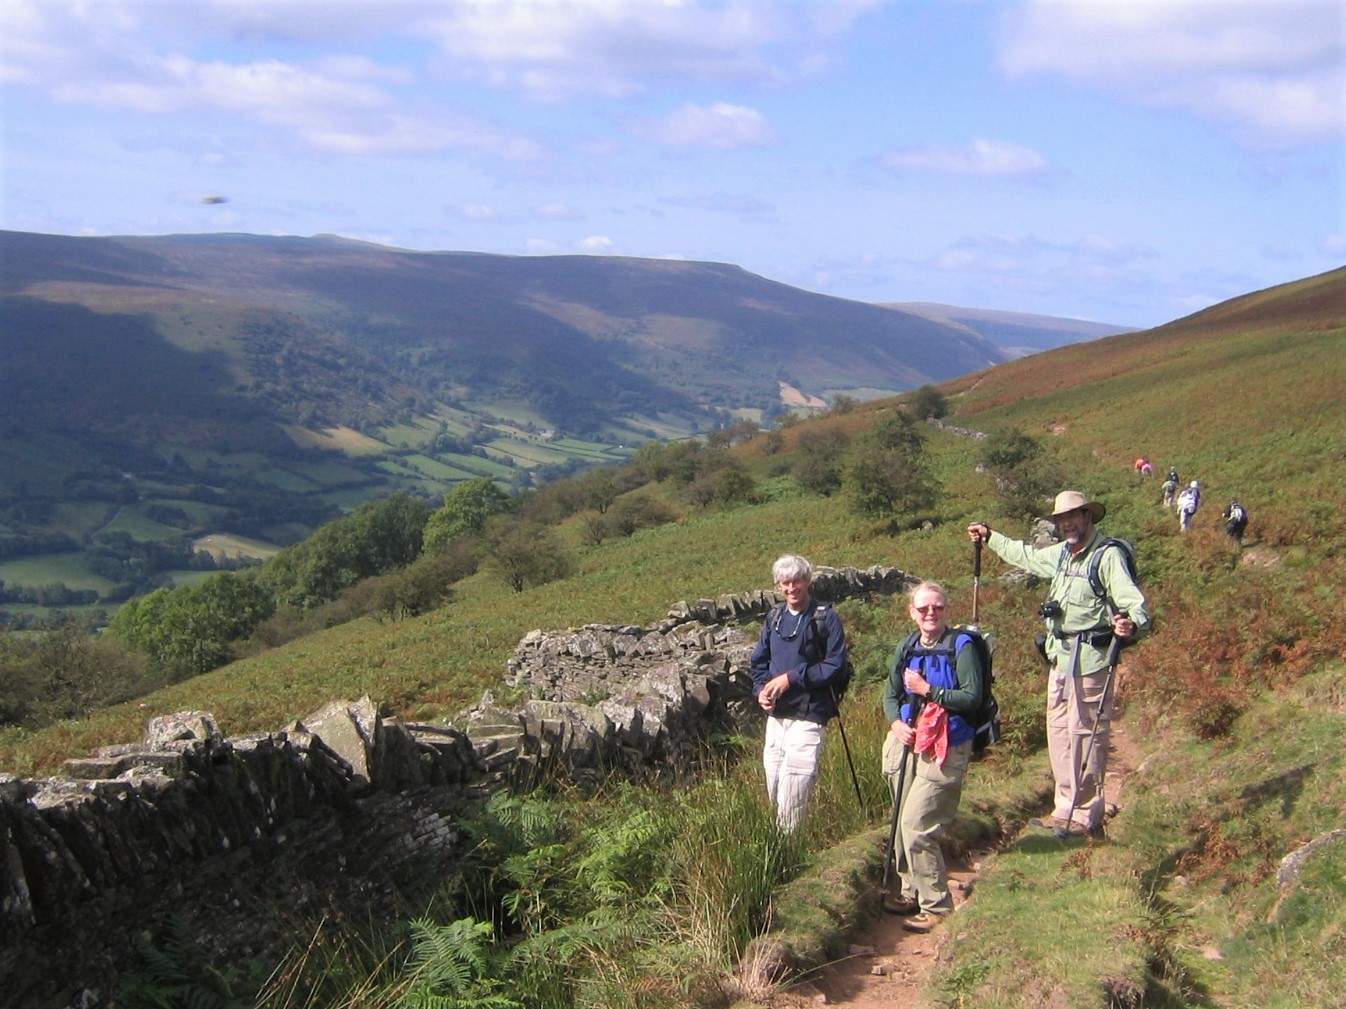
x: 1093, y: 598
x: 936, y: 688
x: 1235, y: 520
x: 1188, y: 502
x: 1171, y: 489
x: 799, y: 672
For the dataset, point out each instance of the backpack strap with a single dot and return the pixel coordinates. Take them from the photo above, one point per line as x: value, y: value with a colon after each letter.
x: 1096, y: 561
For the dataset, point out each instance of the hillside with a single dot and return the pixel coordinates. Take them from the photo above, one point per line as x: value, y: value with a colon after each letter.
x: 164, y: 390
x: 1016, y: 334
x: 1235, y: 703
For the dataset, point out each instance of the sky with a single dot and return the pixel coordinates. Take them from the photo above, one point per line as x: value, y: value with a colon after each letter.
x: 1125, y: 162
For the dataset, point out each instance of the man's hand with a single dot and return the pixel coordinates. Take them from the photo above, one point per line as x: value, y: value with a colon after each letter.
x: 979, y: 532
x: 771, y: 693
x: 905, y: 734
x: 1122, y: 625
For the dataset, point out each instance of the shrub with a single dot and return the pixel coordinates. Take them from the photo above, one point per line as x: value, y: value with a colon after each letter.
x: 887, y: 476
x: 927, y: 402
x: 1021, y: 470
x: 819, y: 461
x: 523, y: 553
x: 64, y: 673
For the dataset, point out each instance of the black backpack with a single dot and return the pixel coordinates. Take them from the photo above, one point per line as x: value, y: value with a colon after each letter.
x: 985, y: 721
x: 816, y: 648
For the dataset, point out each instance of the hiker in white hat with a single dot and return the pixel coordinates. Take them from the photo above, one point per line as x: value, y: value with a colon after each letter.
x: 1093, y: 598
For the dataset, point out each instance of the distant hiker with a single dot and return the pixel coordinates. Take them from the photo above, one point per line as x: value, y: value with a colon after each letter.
x: 1235, y: 520
x: 1173, y: 475
x: 1093, y: 596
x: 944, y: 673
x: 1170, y: 490
x: 798, y: 669
x: 1188, y: 502
x: 1143, y: 467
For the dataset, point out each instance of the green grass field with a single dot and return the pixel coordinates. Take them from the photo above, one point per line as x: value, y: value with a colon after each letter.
x: 46, y: 569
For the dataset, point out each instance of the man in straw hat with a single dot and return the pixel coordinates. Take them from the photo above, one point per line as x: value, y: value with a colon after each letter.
x: 1081, y: 624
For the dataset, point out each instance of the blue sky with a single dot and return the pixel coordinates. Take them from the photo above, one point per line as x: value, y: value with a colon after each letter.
x: 1123, y: 162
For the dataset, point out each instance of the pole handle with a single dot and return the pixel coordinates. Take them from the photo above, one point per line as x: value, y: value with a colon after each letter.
x: 976, y: 558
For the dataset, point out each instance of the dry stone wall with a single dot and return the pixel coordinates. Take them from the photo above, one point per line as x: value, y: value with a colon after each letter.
x: 344, y: 812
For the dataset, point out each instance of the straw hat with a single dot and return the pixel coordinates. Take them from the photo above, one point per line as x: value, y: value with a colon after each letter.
x: 1069, y: 500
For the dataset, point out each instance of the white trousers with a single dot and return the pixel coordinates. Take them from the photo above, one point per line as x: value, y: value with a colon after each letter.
x: 790, y: 757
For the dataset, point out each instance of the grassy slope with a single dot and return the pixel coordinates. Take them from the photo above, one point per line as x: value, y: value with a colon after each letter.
x: 1243, y: 397
x: 1265, y: 367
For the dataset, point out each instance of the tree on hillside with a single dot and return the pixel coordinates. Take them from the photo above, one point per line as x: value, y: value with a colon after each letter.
x: 464, y: 512
x: 1021, y: 469
x: 887, y: 476
x: 927, y: 402
x: 819, y: 460
x: 599, y: 489
x: 189, y: 631
x: 524, y: 553
x: 376, y: 537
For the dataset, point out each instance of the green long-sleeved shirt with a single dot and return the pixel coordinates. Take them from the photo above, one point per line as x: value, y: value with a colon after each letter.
x: 1081, y: 609
x: 964, y: 699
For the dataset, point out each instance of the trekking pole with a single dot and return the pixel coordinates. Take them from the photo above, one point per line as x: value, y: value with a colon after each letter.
x: 847, y: 747
x: 1114, y: 654
x: 976, y: 577
x: 889, y: 855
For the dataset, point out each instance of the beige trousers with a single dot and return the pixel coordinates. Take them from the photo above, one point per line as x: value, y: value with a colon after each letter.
x: 1072, y: 703
x: 928, y: 807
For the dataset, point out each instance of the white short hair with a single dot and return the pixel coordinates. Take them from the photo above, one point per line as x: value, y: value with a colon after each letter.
x: 791, y: 566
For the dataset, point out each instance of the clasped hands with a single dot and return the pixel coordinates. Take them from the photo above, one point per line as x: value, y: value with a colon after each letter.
x: 771, y: 693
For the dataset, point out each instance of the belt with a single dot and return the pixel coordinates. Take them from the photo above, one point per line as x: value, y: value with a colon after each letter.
x: 1098, y: 639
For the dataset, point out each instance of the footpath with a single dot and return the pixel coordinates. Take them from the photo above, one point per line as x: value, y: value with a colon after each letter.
x: 888, y: 966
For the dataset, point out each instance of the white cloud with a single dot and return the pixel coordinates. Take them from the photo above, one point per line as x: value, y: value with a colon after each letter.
x: 539, y: 246
x: 551, y: 48
x: 744, y: 206
x: 129, y: 55
x: 721, y: 126
x: 557, y: 212
x: 1271, y: 70
x: 1333, y: 244
x: 475, y: 212
x: 981, y: 157
x: 595, y: 244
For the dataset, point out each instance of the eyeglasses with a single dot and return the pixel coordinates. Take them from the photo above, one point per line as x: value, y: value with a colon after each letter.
x: 932, y: 608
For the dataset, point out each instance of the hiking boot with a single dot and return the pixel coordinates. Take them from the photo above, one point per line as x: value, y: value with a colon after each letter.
x: 901, y: 905
x: 923, y: 922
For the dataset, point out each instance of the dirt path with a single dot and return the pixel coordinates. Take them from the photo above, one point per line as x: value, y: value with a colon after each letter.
x: 889, y: 966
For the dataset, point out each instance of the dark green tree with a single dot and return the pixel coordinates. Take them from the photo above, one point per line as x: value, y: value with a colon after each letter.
x: 887, y: 477
x: 820, y: 460
x: 1023, y: 472
x: 524, y: 553
x: 464, y: 512
x: 927, y: 402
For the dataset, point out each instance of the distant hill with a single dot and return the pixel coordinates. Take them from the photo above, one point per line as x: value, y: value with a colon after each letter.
x: 1016, y: 334
x: 164, y: 389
